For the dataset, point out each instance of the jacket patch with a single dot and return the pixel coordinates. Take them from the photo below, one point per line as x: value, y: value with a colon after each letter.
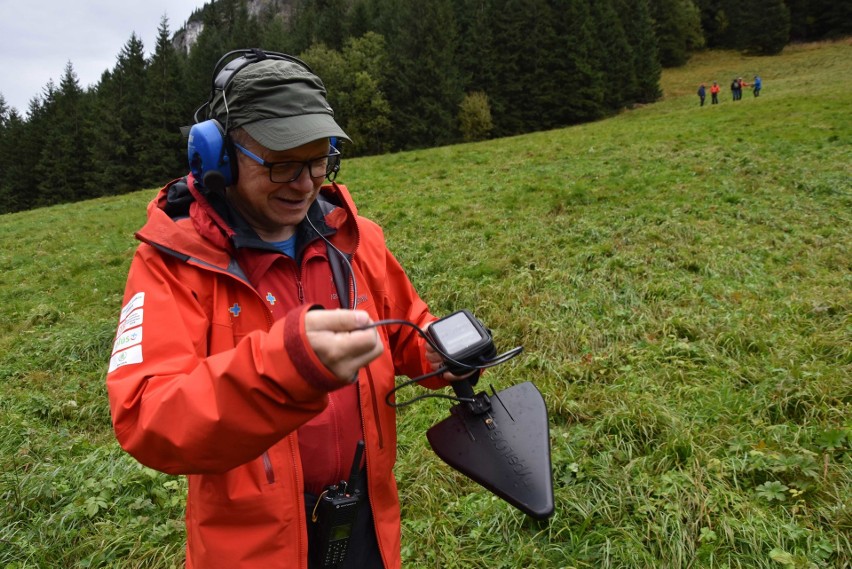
x: 136, y: 302
x: 127, y: 348
x: 132, y: 355
x: 130, y: 338
x: 133, y: 320
x: 270, y: 298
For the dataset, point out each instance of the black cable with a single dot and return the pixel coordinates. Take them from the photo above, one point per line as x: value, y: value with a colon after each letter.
x: 502, y: 358
x: 345, y: 260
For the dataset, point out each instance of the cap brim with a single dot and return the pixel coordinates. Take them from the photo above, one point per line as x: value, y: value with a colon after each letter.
x: 284, y: 133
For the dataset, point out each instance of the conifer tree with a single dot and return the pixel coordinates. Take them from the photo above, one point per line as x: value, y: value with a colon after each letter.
x: 509, y: 90
x: 615, y: 58
x: 478, y: 55
x: 62, y: 163
x: 17, y: 179
x: 536, y: 89
x: 358, y: 21
x: 318, y: 21
x: 241, y: 30
x: 678, y: 29
x: 119, y: 103
x: 275, y: 33
x: 831, y: 18
x: 162, y: 150
x: 25, y: 141
x: 766, y: 26
x: 424, y: 82
x: 578, y: 73
x: 5, y: 156
x: 730, y: 17
x: 638, y: 27
x: 210, y: 45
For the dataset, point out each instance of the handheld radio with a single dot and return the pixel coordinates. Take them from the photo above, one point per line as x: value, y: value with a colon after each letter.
x: 334, y: 516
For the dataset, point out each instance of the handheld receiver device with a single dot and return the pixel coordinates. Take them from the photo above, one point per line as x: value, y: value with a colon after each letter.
x: 463, y: 340
x: 334, y: 516
x: 501, y: 440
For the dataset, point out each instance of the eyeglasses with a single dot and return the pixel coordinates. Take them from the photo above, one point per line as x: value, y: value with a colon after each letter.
x: 289, y: 171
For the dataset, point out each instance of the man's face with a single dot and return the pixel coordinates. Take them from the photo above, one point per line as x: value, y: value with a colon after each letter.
x: 275, y: 209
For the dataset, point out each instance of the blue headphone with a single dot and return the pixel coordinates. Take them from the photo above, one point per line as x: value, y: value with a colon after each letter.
x: 210, y: 152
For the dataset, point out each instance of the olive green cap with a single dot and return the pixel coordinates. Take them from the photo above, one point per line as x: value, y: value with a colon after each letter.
x: 279, y: 103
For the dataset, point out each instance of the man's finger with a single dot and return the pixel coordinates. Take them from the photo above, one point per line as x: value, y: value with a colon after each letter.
x: 336, y: 320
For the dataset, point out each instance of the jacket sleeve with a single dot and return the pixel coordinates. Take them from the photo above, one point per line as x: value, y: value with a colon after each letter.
x: 178, y: 410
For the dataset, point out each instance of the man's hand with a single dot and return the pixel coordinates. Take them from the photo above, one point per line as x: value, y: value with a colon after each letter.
x: 339, y: 343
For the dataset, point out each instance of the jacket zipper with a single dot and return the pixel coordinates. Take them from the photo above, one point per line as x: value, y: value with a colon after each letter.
x: 367, y: 454
x: 374, y: 405
x: 267, y: 461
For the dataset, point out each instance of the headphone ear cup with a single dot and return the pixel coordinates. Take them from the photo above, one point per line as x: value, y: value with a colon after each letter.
x: 333, y: 161
x: 208, y: 156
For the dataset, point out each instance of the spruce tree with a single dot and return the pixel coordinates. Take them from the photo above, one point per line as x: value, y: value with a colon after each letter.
x: 275, y: 33
x: 163, y: 150
x: 639, y: 28
x: 25, y: 141
x: 424, y: 82
x: 578, y: 73
x: 62, y: 163
x: 119, y: 107
x: 244, y: 30
x: 130, y: 77
x: 16, y: 157
x: 358, y: 20
x: 766, y: 26
x: 731, y: 16
x: 678, y: 29
x: 209, y: 47
x: 509, y: 90
x: 615, y: 58
x: 478, y: 55
x: 5, y: 157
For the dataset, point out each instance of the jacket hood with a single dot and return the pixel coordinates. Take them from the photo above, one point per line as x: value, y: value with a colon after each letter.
x: 189, y: 221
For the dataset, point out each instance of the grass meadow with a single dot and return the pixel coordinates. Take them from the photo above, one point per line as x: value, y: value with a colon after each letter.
x: 680, y: 278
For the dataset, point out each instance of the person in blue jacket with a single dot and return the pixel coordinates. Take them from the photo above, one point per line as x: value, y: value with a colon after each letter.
x: 702, y: 93
x: 757, y: 85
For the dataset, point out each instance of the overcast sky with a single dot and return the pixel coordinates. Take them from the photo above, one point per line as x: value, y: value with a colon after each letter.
x: 39, y: 37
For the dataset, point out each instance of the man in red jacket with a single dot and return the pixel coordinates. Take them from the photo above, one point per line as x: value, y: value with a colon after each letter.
x: 223, y: 371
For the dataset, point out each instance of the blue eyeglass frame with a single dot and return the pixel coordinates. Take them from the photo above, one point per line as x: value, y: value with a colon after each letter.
x: 334, y: 152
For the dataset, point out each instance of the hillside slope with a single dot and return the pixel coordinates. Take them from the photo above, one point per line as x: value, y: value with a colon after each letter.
x: 679, y: 277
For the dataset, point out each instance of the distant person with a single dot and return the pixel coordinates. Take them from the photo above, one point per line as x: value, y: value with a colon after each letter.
x: 255, y: 376
x: 757, y: 85
x: 736, y: 89
x: 714, y: 93
x: 702, y: 93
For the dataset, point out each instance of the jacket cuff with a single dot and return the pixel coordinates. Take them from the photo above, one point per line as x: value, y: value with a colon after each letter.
x: 312, y: 370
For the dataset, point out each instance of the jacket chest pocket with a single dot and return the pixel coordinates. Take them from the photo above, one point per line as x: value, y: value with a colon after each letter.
x: 233, y: 316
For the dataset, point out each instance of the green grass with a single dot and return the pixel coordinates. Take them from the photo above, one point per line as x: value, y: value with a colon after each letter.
x: 680, y: 280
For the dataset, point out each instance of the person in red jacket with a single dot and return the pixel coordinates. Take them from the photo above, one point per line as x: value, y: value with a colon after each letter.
x: 241, y: 358
x: 714, y: 93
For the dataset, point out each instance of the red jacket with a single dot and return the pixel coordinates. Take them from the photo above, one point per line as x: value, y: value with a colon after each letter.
x: 205, y: 381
